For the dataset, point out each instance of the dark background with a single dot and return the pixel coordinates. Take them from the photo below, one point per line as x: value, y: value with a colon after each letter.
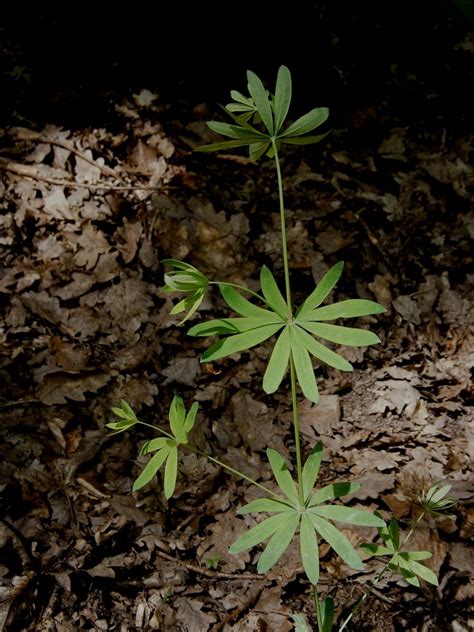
x: 69, y: 64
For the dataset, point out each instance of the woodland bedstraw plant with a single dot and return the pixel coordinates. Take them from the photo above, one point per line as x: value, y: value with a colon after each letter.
x: 297, y: 509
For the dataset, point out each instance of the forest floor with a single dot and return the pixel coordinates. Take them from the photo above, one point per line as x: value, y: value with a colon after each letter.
x: 86, y: 217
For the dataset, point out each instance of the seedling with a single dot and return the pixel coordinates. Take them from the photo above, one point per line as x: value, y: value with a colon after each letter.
x: 297, y: 509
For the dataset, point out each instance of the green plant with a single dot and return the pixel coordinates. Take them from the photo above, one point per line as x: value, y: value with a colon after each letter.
x: 297, y: 508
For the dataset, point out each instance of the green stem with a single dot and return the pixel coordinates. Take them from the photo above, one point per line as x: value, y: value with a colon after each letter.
x: 239, y: 287
x: 284, y: 246
x: 374, y: 583
x: 296, y: 428
x: 317, y: 607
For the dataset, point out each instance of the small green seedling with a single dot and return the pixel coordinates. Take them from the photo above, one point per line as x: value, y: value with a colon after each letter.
x: 298, y: 509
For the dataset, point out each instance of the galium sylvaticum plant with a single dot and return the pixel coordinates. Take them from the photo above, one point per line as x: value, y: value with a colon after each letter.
x: 298, y: 509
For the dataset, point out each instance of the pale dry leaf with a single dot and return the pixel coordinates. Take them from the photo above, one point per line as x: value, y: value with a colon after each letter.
x: 398, y: 395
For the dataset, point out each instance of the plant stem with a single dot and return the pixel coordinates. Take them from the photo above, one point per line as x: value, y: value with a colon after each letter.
x: 284, y: 246
x: 374, y: 583
x: 155, y: 428
x: 239, y: 287
x: 265, y: 489
x: 317, y: 607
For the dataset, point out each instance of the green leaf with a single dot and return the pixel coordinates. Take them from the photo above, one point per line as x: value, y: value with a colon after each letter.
x: 239, y: 97
x: 151, y: 468
x: 278, y: 364
x: 176, y: 415
x: 322, y: 290
x: 306, y: 123
x: 349, y: 515
x: 304, y: 140
x: 282, y: 97
x: 227, y: 144
x: 171, y: 470
x: 417, y: 555
x: 311, y: 469
x: 304, y: 368
x: 260, y: 98
x: 321, y: 352
x: 332, y: 491
x: 350, y: 336
x: 235, y: 131
x: 225, y: 326
x: 191, y: 418
x: 153, y: 445
x: 376, y: 549
x: 437, y: 495
x: 337, y: 541
x: 238, y: 107
x: 309, y: 549
x: 282, y: 475
x: 239, y: 342
x: 242, y: 306
x: 351, y: 308
x: 256, y: 534
x: 256, y: 150
x: 327, y: 614
x: 265, y: 504
x: 279, y: 542
x: 394, y: 533
x: 272, y: 293
x: 424, y: 572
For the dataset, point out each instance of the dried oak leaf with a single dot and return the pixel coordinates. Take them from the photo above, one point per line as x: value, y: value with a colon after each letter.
x: 57, y: 388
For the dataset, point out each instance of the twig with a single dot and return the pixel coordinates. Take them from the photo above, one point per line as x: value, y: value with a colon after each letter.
x: 208, y: 572
x: 26, y: 171
x: 28, y: 134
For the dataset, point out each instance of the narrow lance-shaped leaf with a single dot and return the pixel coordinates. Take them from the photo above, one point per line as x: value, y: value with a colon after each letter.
x: 278, y: 364
x: 311, y: 469
x: 151, y: 468
x: 256, y: 150
x: 336, y: 541
x: 279, y: 542
x: 350, y: 336
x: 304, y: 368
x: 332, y: 491
x: 191, y: 417
x: 265, y: 504
x: 304, y: 140
x: 323, y: 289
x: 242, y: 306
x: 327, y: 614
x: 282, y: 97
x: 306, y: 123
x: 235, y: 131
x: 176, y: 415
x: 226, y: 144
x: 351, y: 308
x: 282, y: 475
x: 321, y: 352
x: 260, y: 97
x: 272, y: 293
x: 256, y: 534
x: 349, y: 515
x: 309, y: 550
x: 239, y: 342
x: 171, y: 470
